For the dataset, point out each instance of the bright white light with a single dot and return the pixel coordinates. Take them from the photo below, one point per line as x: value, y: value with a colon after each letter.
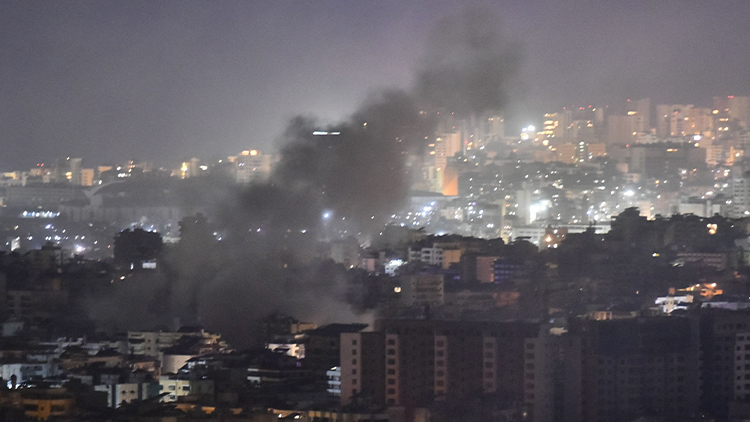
x: 326, y: 215
x: 628, y: 193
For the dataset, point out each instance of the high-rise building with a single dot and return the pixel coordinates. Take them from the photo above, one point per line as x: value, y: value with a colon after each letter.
x: 555, y: 129
x: 495, y: 128
x: 719, y: 330
x: 731, y: 109
x: 552, y: 377
x: 584, y: 130
x: 623, y: 130
x: 450, y: 181
x: 87, y: 177
x: 578, y: 152
x: 678, y: 120
x: 662, y: 120
x: 67, y: 170
x: 699, y: 121
x: 740, y: 184
x: 446, y: 146
x: 429, y: 360
x: 720, y: 105
x: 739, y: 110
x: 252, y: 166
x: 677, y: 123
x: 658, y: 160
x: 413, y: 363
x: 323, y: 350
x: 669, y: 118
x: 640, y: 366
x: 424, y: 289
x: 523, y: 202
x: 74, y: 171
x: 641, y: 109
x: 363, y: 366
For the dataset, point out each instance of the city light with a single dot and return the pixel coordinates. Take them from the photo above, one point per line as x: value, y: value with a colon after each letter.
x: 155, y: 262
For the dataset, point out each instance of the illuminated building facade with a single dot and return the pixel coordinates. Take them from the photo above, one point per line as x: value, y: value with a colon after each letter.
x: 426, y: 360
x: 252, y: 166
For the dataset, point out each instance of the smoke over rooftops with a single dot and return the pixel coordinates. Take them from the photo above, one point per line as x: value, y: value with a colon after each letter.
x: 469, y: 66
x: 358, y: 176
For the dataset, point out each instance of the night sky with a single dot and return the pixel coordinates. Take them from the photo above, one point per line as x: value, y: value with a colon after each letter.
x: 167, y: 80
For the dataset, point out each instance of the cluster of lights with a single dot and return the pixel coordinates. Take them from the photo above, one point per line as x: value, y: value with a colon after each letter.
x: 39, y: 214
x: 526, y: 132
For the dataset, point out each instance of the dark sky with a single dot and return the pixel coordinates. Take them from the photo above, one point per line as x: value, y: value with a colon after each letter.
x: 167, y: 80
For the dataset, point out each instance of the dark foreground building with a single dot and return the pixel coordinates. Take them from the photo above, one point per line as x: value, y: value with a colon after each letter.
x: 640, y: 366
x: 416, y: 363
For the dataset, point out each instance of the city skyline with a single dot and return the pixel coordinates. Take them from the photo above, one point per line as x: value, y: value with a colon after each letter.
x: 429, y: 211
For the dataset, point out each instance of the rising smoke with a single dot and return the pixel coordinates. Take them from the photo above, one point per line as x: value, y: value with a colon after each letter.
x: 470, y: 66
x: 359, y: 173
x: 356, y: 172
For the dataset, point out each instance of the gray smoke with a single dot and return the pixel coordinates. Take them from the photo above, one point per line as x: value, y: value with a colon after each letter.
x: 469, y: 65
x: 356, y: 172
x: 359, y: 173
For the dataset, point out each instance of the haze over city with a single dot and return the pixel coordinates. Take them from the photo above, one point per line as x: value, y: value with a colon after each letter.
x: 380, y: 211
x: 165, y: 81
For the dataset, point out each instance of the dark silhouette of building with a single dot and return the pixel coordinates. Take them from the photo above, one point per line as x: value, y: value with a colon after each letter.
x: 637, y: 367
x: 429, y: 361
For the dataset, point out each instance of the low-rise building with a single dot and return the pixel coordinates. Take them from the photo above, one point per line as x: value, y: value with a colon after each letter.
x: 422, y: 290
x: 176, y: 386
x: 120, y: 393
x: 42, y: 404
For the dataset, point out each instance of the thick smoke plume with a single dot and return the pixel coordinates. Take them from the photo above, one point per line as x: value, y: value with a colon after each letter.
x: 359, y: 173
x: 469, y: 65
x: 353, y: 172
